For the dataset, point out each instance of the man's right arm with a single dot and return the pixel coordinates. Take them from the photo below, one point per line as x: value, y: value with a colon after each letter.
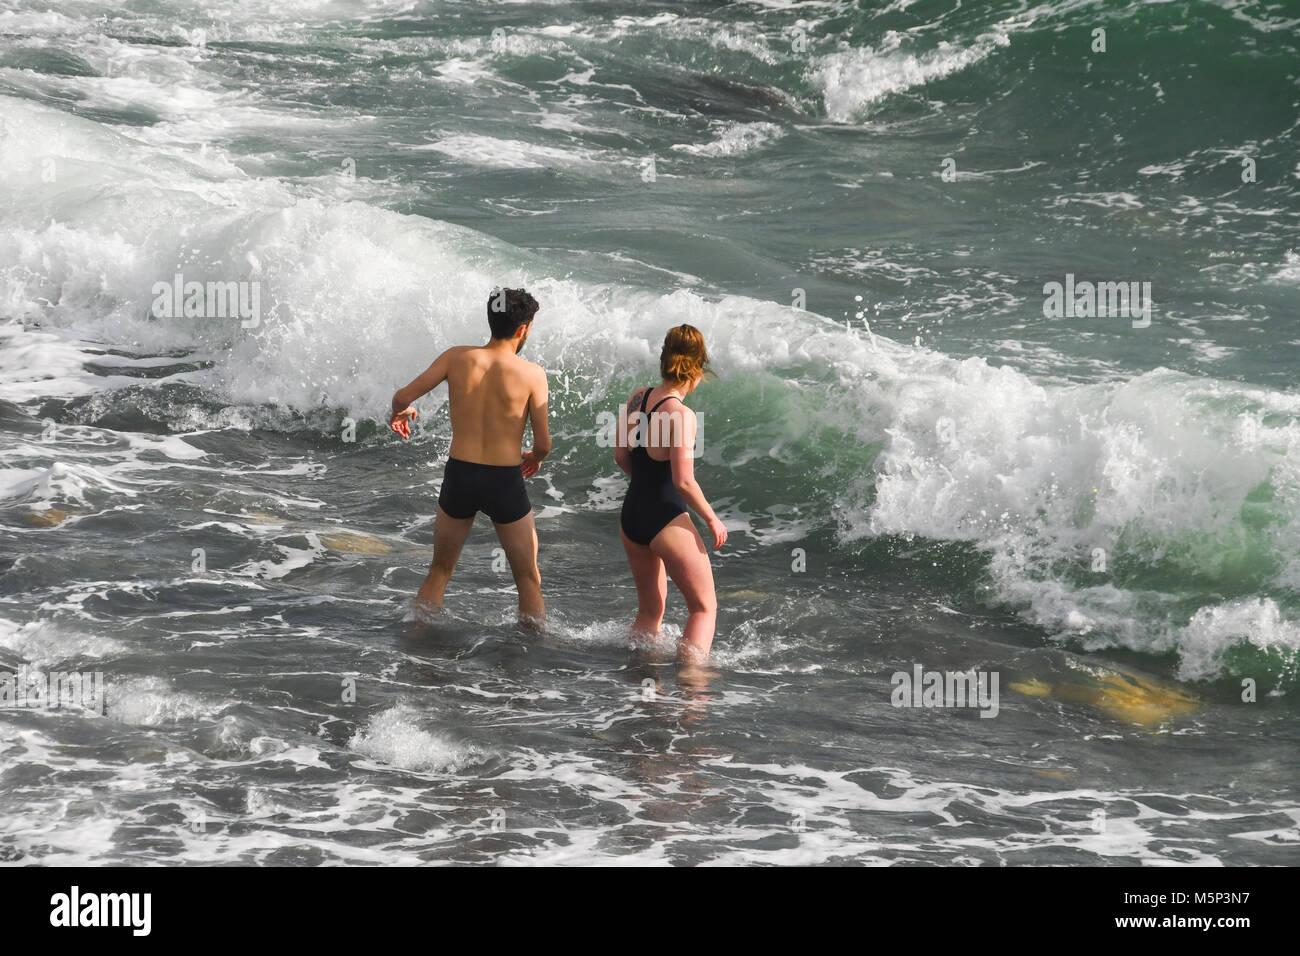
x: 425, y: 382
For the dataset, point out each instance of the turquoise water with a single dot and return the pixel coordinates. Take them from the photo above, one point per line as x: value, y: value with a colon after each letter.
x: 860, y: 205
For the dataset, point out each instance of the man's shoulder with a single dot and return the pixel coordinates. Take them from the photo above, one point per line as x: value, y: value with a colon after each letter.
x: 455, y: 351
x: 532, y: 369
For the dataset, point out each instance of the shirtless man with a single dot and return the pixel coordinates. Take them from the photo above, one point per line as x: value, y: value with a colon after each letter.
x: 492, y: 392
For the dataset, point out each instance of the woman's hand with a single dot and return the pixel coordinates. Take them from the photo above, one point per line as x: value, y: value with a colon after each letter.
x: 401, y: 421
x: 719, y: 532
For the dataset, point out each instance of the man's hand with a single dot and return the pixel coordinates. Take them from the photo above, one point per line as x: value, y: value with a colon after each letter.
x: 531, y: 464
x: 401, y: 421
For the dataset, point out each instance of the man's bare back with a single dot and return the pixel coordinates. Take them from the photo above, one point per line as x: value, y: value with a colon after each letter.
x: 492, y: 394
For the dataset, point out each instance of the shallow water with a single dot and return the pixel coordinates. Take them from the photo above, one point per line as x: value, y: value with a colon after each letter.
x: 916, y: 468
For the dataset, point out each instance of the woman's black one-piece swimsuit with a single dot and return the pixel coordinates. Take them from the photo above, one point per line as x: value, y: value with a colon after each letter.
x: 652, y: 499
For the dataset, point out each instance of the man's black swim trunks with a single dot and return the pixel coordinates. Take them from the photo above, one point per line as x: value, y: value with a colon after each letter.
x: 496, y: 490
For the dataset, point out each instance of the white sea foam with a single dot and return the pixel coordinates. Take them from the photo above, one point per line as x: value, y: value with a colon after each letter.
x: 1062, y: 487
x: 854, y: 79
x: 1289, y: 272
x: 1217, y: 629
x: 396, y: 737
x: 482, y: 150
x: 44, y: 644
x: 60, y: 483
x: 734, y: 139
x: 152, y: 702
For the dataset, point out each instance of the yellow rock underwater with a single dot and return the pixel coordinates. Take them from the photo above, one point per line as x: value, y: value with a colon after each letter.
x: 1124, y: 696
x: 354, y: 542
x: 46, y: 519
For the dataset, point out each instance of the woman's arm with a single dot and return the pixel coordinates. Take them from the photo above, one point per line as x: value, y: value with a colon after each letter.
x: 683, y: 441
x: 622, y: 452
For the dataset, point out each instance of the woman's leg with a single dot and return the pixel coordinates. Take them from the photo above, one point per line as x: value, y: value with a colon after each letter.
x: 651, y: 586
x: 684, y: 556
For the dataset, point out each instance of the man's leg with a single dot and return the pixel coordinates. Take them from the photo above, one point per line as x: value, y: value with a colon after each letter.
x: 519, y: 539
x: 449, y: 536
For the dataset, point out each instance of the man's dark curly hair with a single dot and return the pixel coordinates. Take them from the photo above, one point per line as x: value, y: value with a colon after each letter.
x: 507, y: 309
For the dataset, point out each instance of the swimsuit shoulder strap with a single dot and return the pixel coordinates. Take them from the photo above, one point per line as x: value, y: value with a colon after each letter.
x: 646, y: 395
x: 660, y: 402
